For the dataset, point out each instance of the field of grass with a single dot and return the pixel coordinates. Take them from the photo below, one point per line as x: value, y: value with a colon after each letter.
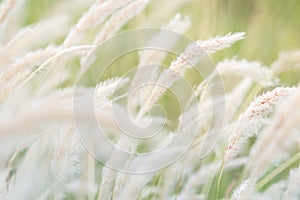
x: 149, y: 99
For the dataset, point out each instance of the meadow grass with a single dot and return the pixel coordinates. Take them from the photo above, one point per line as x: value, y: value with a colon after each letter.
x: 212, y: 114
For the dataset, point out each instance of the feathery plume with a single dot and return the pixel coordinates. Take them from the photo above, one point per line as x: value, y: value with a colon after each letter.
x: 109, y: 175
x: 28, y: 38
x: 191, y: 55
x: 243, y: 191
x: 272, y: 139
x: 286, y: 61
x: 65, y: 162
x: 56, y: 109
x: 27, y: 62
x: 73, y: 51
x: 5, y: 8
x: 253, y: 119
x: 92, y: 18
x: 113, y: 25
x: 119, y: 19
x: 149, y: 59
x: 244, y: 68
x: 107, y: 88
x: 218, y: 43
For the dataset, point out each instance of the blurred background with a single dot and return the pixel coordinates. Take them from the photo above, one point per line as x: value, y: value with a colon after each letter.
x: 271, y: 26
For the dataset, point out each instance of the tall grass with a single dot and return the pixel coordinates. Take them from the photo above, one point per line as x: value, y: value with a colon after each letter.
x: 72, y: 128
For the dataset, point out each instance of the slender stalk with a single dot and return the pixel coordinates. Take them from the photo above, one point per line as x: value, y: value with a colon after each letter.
x: 278, y: 170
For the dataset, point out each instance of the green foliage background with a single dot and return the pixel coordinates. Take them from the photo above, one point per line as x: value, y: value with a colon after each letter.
x: 271, y: 26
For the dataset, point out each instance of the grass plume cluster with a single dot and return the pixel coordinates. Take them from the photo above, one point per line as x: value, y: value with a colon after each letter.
x: 43, y: 154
